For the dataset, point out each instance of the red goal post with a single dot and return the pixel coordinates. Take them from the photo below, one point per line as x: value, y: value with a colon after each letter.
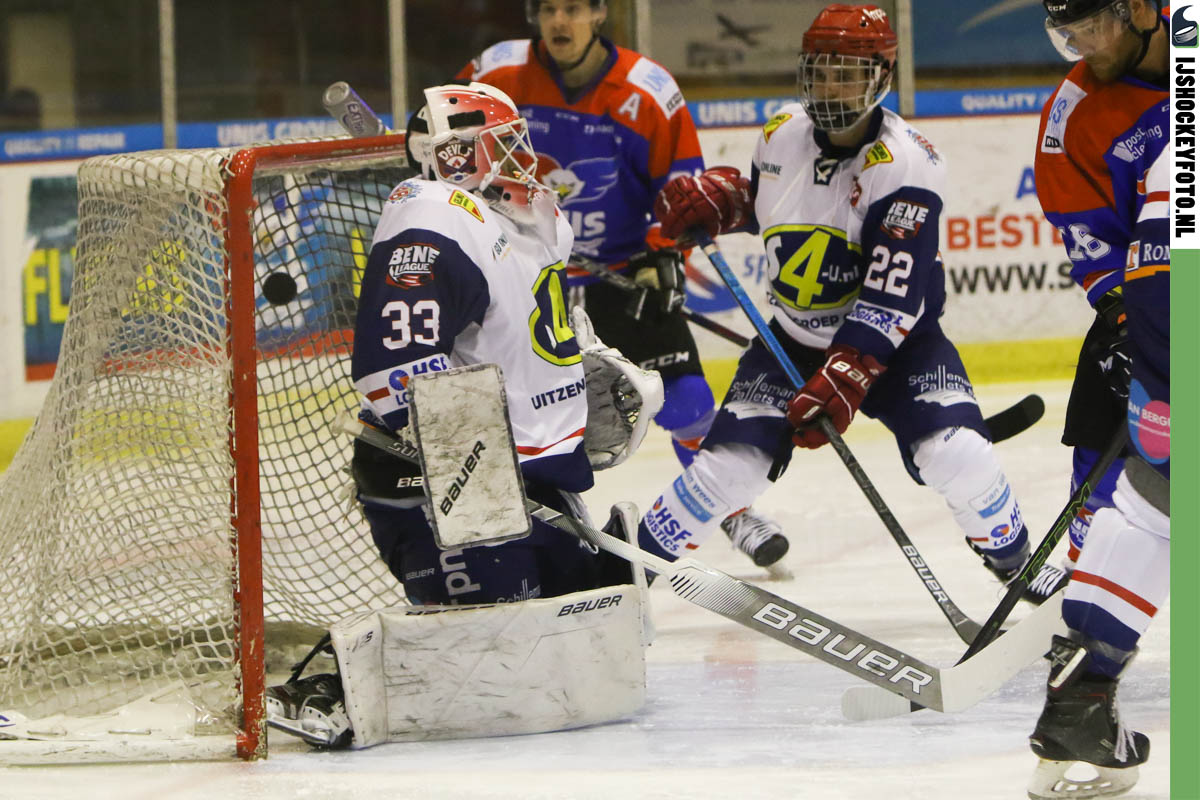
x: 179, y: 499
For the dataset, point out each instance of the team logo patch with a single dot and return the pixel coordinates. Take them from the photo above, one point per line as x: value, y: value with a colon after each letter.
x: 878, y: 154
x: 904, y: 219
x: 855, y: 192
x: 1063, y: 104
x: 464, y: 201
x: 455, y: 160
x: 823, y: 169
x: 773, y: 125
x: 405, y: 191
x: 580, y: 181
x: 398, y: 378
x: 411, y: 265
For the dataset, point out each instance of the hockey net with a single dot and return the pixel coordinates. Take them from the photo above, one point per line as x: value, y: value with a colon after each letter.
x: 188, y: 416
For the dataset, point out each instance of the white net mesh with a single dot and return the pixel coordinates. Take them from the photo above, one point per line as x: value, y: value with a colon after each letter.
x: 115, y: 525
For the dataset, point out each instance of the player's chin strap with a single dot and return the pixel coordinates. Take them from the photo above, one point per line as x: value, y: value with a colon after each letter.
x: 1147, y: 34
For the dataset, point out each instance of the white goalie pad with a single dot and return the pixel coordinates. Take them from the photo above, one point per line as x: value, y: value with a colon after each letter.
x: 622, y: 397
x: 469, y: 462
x: 448, y: 672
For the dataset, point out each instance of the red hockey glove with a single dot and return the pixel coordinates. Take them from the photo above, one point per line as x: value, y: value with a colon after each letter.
x: 837, y: 389
x: 717, y: 200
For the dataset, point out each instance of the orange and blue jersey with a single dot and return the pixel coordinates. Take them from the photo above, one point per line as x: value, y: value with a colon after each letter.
x: 606, y: 148
x: 1095, y: 144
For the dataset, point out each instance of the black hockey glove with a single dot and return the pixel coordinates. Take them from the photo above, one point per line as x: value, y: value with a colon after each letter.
x: 661, y: 272
x: 1111, y: 350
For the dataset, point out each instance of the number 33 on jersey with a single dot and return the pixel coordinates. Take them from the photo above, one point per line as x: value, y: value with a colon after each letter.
x: 450, y: 282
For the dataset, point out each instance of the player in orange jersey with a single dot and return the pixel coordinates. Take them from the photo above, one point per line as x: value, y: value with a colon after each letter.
x: 611, y: 128
x: 1101, y: 169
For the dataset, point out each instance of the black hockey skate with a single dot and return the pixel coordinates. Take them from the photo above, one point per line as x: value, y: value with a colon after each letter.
x: 313, y: 709
x: 1079, y: 723
x: 1048, y: 580
x: 757, y: 536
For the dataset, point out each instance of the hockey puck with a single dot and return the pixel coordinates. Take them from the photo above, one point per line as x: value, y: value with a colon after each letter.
x: 279, y: 288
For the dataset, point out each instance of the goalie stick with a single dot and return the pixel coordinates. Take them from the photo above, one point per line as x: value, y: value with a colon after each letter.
x: 966, y: 628
x: 951, y: 689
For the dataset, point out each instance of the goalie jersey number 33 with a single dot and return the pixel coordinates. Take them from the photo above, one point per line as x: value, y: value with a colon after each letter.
x: 448, y: 283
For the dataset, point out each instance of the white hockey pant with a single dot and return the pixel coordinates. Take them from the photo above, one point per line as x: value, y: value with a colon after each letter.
x: 725, y: 479
x: 962, y: 467
x: 1124, y: 568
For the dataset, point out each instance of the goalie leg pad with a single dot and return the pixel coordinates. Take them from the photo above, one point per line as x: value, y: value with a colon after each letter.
x: 453, y: 672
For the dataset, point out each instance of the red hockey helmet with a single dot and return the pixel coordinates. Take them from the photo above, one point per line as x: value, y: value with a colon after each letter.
x: 847, y: 59
x: 479, y: 142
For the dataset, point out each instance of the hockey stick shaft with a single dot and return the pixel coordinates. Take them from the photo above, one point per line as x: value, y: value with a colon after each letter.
x: 624, y: 283
x: 356, y: 117
x: 1062, y: 523
x: 966, y: 628
x: 766, y: 613
x: 862, y: 703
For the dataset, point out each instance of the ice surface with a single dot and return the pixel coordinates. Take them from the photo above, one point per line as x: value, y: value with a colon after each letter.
x: 732, y: 714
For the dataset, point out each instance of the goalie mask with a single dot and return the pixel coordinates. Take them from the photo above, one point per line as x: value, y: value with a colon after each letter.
x: 479, y: 142
x: 846, y: 64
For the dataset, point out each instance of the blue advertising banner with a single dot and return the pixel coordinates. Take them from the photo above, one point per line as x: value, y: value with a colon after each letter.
x: 46, y: 145
x: 951, y: 33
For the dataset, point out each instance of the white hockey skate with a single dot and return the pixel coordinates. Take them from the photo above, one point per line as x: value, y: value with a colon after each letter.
x: 757, y: 536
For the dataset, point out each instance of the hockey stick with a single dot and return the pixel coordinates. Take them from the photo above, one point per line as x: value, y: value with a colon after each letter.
x: 357, y: 118
x: 966, y: 628
x: 625, y: 283
x: 1017, y: 418
x: 953, y: 689
x: 870, y: 704
x: 991, y: 628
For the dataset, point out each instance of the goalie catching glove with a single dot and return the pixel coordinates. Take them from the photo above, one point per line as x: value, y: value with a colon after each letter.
x: 837, y: 389
x: 622, y: 397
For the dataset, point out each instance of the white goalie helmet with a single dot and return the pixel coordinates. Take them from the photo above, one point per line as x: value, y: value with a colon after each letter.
x: 479, y: 142
x: 846, y: 64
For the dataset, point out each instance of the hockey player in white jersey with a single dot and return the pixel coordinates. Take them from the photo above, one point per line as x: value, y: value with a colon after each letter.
x: 846, y: 196
x: 467, y: 269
